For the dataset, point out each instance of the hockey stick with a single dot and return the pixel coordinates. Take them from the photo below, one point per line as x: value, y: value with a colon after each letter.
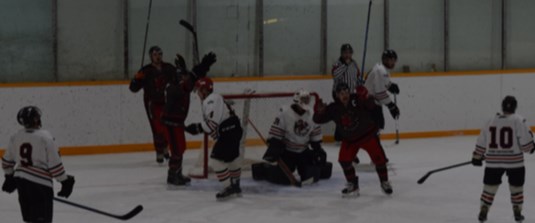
x: 280, y: 162
x: 190, y: 28
x: 422, y: 180
x: 125, y: 217
x: 366, y: 41
x: 397, y: 122
x: 146, y: 34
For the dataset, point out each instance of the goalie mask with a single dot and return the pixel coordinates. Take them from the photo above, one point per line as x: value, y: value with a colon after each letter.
x: 29, y: 117
x: 302, y: 98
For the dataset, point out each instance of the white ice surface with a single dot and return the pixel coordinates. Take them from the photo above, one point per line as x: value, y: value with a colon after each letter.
x: 117, y: 183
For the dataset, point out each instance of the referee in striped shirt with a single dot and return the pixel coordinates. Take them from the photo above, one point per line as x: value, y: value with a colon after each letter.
x: 346, y: 70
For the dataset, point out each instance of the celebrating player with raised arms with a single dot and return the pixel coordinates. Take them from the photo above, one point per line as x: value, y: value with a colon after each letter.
x: 501, y: 144
x: 153, y: 78
x: 30, y: 163
x: 351, y: 114
x: 220, y: 121
x: 378, y: 84
x: 176, y: 110
x: 290, y: 136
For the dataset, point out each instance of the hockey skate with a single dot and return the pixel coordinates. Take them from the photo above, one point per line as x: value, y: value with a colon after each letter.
x: 229, y: 192
x: 351, y: 190
x: 161, y: 157
x: 387, y: 188
x: 517, y: 210
x: 482, y: 217
x: 175, y: 179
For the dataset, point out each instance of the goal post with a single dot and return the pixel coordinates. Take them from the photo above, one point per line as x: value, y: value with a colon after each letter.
x: 258, y: 110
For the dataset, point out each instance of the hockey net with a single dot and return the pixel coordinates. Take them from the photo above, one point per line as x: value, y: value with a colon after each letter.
x: 256, y: 112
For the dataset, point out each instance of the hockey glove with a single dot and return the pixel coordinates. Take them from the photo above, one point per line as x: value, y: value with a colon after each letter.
x: 194, y: 129
x: 275, y: 149
x: 201, y: 69
x: 394, y: 88
x: 319, y: 154
x: 180, y: 63
x: 362, y: 93
x: 10, y: 184
x: 394, y: 110
x: 66, y: 187
x: 477, y: 160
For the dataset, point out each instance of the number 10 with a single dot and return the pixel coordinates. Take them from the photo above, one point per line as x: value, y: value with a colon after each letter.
x: 506, y: 138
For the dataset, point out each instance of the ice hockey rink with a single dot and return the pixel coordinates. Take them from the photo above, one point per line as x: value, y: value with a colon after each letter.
x: 117, y: 183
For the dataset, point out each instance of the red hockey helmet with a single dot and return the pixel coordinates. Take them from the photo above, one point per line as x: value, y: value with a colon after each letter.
x: 204, y: 83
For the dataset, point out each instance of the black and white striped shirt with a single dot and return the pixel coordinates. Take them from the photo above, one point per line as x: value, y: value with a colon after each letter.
x: 346, y: 73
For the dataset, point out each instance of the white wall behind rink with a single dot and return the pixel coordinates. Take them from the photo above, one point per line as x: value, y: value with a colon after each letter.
x: 111, y: 114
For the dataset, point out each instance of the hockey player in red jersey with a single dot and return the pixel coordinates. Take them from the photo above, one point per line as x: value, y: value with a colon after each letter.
x: 176, y: 110
x: 221, y: 122
x: 351, y: 114
x: 30, y: 164
x: 501, y: 143
x: 153, y: 79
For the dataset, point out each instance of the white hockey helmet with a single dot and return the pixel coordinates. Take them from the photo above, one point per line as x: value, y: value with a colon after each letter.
x: 302, y: 98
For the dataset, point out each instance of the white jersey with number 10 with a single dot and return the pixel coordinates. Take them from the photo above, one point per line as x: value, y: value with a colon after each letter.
x: 503, y: 140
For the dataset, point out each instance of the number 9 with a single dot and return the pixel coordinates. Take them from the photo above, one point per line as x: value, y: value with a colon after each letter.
x: 26, y: 154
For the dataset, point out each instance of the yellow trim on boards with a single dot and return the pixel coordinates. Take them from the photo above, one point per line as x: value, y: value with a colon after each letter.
x: 271, y: 78
x: 128, y: 148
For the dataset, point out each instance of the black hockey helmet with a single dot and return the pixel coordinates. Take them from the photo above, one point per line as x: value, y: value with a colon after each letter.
x: 345, y: 47
x: 341, y: 86
x: 389, y: 54
x: 29, y: 116
x: 509, y: 104
x: 155, y: 48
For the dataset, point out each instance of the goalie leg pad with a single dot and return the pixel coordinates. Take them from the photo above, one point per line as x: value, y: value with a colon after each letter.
x: 326, y: 170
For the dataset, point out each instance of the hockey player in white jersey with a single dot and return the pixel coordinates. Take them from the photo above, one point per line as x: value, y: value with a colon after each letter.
x: 378, y: 84
x: 290, y: 136
x: 224, y: 126
x: 30, y: 163
x: 502, y: 142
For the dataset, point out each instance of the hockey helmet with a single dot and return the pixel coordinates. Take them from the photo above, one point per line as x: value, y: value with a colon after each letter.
x: 509, y: 104
x: 346, y: 47
x: 29, y: 117
x: 389, y: 54
x: 204, y: 83
x: 341, y: 86
x: 302, y: 98
x: 155, y: 49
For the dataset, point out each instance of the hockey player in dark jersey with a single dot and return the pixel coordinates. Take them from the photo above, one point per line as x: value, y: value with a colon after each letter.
x: 351, y: 114
x: 153, y: 79
x: 176, y: 110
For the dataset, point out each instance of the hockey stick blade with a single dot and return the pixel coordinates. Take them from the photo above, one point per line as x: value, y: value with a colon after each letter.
x: 422, y: 180
x: 125, y: 217
x: 187, y: 25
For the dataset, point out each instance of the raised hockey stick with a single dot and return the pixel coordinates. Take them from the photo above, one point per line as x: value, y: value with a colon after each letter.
x: 397, y: 122
x: 422, y: 180
x: 365, y: 41
x: 125, y: 217
x: 280, y: 162
x: 190, y: 28
x: 146, y: 34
